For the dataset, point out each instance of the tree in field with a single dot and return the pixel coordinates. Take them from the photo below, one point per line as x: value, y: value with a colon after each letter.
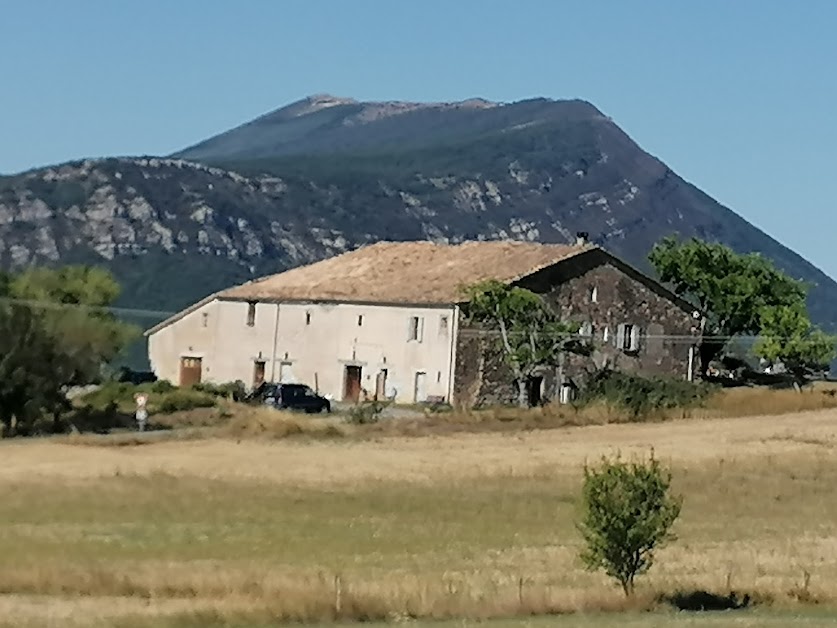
x: 788, y: 336
x: 731, y: 290
x: 628, y: 511
x: 531, y: 334
x: 72, y: 304
x: 55, y: 331
x: 28, y: 384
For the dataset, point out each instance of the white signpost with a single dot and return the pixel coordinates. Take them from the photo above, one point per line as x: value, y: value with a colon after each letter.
x: 142, y: 414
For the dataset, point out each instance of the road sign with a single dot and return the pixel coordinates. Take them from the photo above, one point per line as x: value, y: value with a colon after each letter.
x: 142, y: 413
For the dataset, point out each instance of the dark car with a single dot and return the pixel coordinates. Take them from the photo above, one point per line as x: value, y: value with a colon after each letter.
x: 291, y: 397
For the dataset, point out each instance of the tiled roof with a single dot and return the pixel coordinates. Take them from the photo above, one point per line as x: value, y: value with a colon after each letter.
x: 405, y: 272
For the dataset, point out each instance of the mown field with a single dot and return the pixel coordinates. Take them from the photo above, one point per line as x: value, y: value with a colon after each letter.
x: 241, y: 531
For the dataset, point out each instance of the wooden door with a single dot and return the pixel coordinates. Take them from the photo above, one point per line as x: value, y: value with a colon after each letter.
x: 351, y: 389
x: 421, y: 387
x: 258, y: 373
x: 190, y: 371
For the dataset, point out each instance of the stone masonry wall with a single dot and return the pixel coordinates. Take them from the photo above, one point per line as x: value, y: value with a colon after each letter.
x: 592, y: 289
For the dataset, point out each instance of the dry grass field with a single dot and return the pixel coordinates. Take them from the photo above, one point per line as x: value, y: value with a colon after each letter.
x: 238, y: 531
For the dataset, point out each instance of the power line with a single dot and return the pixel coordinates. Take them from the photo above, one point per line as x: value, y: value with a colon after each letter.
x: 53, y: 305
x: 686, y: 337
x: 163, y: 314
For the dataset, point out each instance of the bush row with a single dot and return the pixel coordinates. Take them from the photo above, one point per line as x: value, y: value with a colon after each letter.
x: 640, y: 397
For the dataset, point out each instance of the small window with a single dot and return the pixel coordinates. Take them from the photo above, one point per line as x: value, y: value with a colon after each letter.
x: 438, y: 376
x: 415, y: 330
x: 307, y: 318
x: 251, y: 313
x: 443, y: 325
x: 628, y: 338
x: 205, y: 319
x: 360, y: 320
x: 594, y: 294
x: 606, y: 334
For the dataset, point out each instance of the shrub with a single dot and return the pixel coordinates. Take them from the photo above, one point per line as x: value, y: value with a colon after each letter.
x: 99, y: 419
x: 628, y: 511
x: 110, y: 394
x: 234, y: 391
x: 365, y: 413
x: 163, y: 397
x: 180, y: 400
x: 641, y: 396
x: 162, y: 386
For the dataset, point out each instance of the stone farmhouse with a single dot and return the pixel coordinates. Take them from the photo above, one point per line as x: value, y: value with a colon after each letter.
x: 385, y: 321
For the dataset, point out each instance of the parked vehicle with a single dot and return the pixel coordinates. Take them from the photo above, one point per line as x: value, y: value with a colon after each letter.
x: 290, y: 397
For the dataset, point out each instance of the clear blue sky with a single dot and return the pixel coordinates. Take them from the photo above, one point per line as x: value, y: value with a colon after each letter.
x: 737, y: 96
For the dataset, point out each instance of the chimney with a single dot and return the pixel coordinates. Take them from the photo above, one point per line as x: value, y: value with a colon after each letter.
x: 581, y: 238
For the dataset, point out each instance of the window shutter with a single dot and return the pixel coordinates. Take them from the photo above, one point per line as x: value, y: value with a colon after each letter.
x: 635, y: 338
x: 620, y: 336
x: 420, y: 333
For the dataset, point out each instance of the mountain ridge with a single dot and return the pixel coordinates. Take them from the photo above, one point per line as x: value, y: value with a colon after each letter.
x: 343, y: 173
x: 343, y: 125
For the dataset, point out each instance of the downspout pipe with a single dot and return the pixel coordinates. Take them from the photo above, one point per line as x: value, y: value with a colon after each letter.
x: 454, y: 336
x: 273, y: 347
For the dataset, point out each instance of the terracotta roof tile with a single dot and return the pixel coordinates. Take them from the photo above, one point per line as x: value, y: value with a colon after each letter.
x: 405, y: 272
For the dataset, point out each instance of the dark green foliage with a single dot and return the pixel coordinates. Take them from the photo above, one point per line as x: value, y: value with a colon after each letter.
x: 117, y: 394
x: 61, y: 194
x: 29, y: 385
x: 55, y: 332
x: 162, y: 386
x: 126, y: 374
x: 101, y: 420
x: 628, y: 510
x: 182, y: 400
x: 732, y: 290
x: 641, y: 396
x: 234, y: 391
x: 788, y: 336
x: 163, y: 398
x: 72, y: 304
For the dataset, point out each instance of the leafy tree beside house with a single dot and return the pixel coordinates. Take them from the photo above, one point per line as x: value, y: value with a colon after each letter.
x: 789, y: 337
x: 74, y: 311
x: 531, y: 335
x: 55, y: 332
x: 733, y: 291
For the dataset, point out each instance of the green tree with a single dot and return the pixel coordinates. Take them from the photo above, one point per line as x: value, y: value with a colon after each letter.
x: 788, y: 336
x: 731, y: 290
x: 531, y: 334
x: 28, y: 383
x: 628, y: 511
x: 73, y: 303
x: 55, y: 332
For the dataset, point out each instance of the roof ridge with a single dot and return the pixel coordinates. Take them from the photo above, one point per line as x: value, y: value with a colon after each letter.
x: 539, y: 267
